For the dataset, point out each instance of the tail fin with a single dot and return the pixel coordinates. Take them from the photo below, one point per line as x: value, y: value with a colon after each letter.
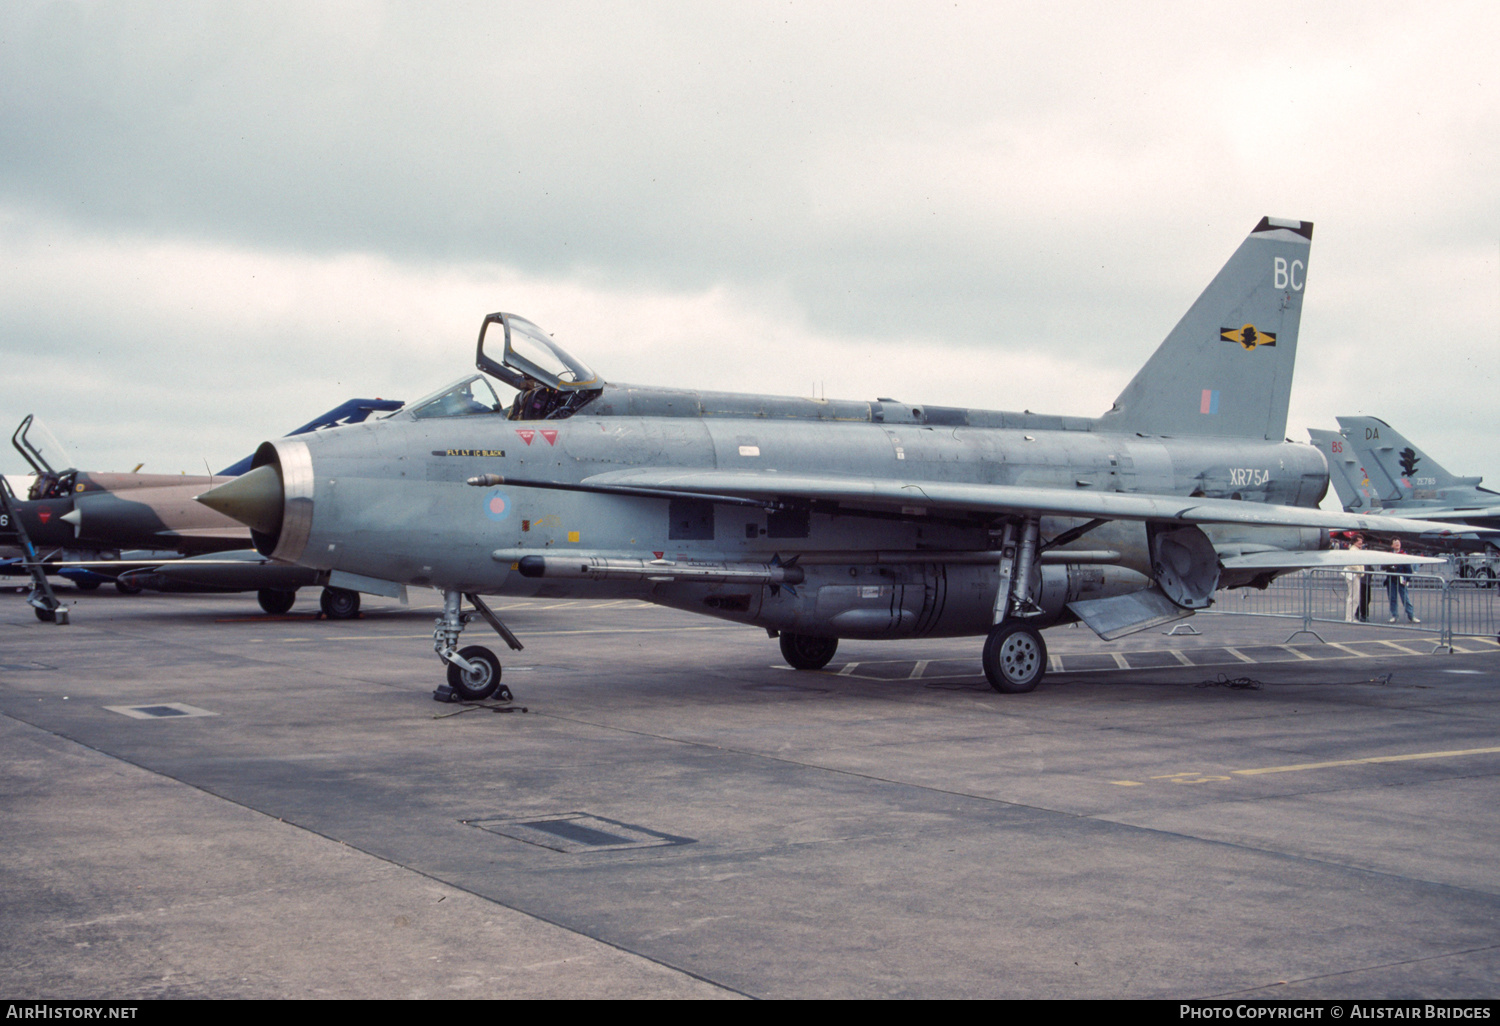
x: 1401, y: 469
x: 1226, y: 369
x: 1350, y: 482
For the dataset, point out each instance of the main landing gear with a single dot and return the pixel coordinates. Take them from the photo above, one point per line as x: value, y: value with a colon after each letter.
x: 276, y: 602
x: 1015, y: 656
x: 805, y: 652
x: 338, y: 603
x: 473, y: 671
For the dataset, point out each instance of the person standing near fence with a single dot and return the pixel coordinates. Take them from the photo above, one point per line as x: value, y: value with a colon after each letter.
x: 1364, y: 588
x: 1357, y: 600
x: 1395, y: 583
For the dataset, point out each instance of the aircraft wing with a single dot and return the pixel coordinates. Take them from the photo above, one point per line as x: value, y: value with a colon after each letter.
x: 916, y: 498
x: 1451, y: 513
x: 1324, y: 559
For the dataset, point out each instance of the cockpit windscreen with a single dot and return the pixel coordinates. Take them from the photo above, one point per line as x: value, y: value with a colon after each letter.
x: 473, y: 395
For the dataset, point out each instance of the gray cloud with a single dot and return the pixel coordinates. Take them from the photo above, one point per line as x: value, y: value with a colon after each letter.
x: 1056, y: 179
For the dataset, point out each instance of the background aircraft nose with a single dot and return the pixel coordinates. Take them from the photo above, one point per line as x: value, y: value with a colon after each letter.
x: 254, y: 499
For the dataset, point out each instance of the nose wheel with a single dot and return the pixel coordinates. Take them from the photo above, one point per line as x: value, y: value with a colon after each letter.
x: 481, y: 679
x: 473, y: 671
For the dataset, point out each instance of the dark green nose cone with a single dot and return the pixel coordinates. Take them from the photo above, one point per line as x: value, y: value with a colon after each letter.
x: 254, y: 499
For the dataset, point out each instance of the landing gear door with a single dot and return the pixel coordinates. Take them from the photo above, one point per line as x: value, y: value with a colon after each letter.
x: 530, y: 357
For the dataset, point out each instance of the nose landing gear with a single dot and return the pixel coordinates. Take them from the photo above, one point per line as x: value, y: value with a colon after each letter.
x: 480, y: 679
x: 473, y: 671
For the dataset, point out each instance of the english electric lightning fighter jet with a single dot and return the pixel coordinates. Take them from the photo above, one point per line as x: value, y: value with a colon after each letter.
x: 1374, y: 468
x: 817, y: 519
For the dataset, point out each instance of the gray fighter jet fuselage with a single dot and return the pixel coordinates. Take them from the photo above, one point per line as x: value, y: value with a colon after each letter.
x: 819, y: 520
x: 921, y: 550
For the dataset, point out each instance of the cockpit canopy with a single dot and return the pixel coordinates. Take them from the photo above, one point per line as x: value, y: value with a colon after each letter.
x: 529, y: 353
x: 550, y: 382
x: 41, y: 449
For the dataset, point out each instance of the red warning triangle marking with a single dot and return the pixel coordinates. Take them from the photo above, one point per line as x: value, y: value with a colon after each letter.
x: 550, y: 436
x: 526, y: 434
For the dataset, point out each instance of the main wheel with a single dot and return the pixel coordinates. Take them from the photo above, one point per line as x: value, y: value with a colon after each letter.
x: 126, y: 588
x: 339, y: 603
x: 45, y: 615
x: 1485, y: 576
x: 1015, y: 657
x: 805, y: 652
x: 275, y: 602
x: 479, y: 683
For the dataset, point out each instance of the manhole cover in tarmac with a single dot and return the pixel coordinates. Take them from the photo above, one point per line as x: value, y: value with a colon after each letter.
x: 160, y: 711
x: 575, y: 832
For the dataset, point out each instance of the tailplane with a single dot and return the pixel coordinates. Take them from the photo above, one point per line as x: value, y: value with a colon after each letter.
x: 1226, y: 368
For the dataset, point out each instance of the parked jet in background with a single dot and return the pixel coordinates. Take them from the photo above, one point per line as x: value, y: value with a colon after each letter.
x: 1374, y: 469
x: 1380, y: 469
x: 819, y: 520
x: 275, y: 584
x: 84, y: 521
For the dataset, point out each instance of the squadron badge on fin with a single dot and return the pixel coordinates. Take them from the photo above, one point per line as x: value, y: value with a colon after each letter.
x: 1247, y: 336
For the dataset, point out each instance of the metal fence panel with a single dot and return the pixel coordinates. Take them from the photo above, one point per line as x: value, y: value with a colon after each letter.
x: 1442, y: 603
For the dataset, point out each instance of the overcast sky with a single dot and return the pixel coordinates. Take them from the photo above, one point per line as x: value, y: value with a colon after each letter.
x: 219, y: 220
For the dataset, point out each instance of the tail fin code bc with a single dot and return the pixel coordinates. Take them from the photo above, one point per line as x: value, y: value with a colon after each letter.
x: 1225, y: 370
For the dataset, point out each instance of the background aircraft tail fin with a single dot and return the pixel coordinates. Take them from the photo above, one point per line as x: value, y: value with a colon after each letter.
x: 1225, y: 370
x: 1350, y: 483
x: 1400, y: 469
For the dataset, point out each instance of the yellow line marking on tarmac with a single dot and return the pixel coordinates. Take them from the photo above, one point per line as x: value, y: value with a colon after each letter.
x: 1120, y: 660
x: 1365, y: 762
x: 1485, y: 643
x: 1352, y: 651
x: 919, y: 668
x: 1400, y: 647
x: 1128, y: 783
x: 1242, y: 657
x: 1184, y: 660
x: 1297, y: 652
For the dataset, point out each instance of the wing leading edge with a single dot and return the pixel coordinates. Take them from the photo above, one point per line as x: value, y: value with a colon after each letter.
x: 922, y: 497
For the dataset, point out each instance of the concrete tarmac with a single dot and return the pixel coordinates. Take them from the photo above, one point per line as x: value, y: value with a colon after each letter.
x: 198, y: 800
